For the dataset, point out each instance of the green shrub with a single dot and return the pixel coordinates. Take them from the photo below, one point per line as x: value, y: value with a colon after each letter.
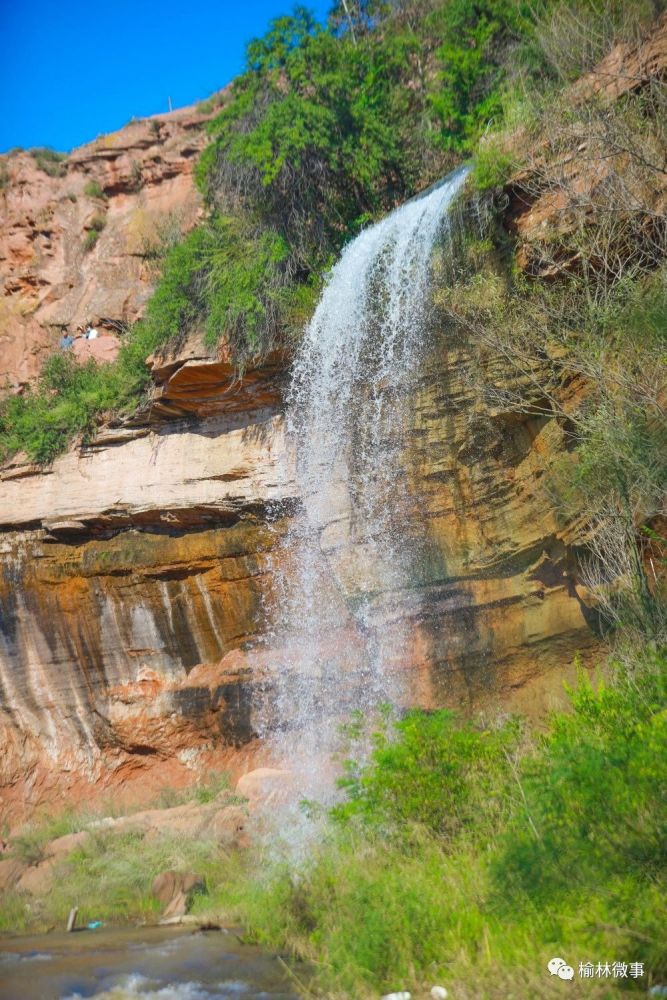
x: 90, y: 239
x: 49, y: 161
x: 474, y: 862
x: 229, y: 282
x: 70, y: 398
x: 93, y: 189
x: 433, y: 770
x: 96, y: 224
x: 595, y: 795
x: 493, y: 165
x: 479, y: 42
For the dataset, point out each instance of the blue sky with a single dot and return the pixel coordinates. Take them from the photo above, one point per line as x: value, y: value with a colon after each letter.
x: 71, y: 70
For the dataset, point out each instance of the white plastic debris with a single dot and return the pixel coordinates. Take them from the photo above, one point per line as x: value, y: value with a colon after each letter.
x: 397, y: 996
x: 439, y: 993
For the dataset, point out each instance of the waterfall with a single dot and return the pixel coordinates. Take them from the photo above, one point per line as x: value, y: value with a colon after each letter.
x: 344, y: 564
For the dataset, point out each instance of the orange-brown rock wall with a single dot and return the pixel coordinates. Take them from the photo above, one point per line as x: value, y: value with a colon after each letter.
x: 51, y: 279
x: 137, y: 582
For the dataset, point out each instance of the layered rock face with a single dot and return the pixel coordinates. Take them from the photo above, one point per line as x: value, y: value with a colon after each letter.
x: 134, y: 187
x: 138, y: 576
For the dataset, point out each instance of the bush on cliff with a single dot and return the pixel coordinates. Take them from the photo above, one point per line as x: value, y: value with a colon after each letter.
x: 328, y: 127
x: 69, y: 399
x: 331, y: 126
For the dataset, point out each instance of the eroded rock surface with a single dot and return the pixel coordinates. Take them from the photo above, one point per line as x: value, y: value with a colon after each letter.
x: 137, y: 184
x: 591, y: 159
x: 138, y: 579
x: 138, y: 574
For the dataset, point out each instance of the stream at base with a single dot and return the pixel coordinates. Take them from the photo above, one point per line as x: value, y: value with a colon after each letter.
x: 152, y: 963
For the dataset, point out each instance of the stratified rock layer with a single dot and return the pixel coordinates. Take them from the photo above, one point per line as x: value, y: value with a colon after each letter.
x: 137, y: 184
x: 138, y: 575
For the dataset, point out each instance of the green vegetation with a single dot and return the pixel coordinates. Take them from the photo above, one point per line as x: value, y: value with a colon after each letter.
x: 471, y: 855
x: 227, y: 280
x: 49, y: 161
x: 465, y: 853
x: 90, y: 239
x: 69, y: 399
x: 109, y: 878
x: 328, y: 127
x: 462, y: 853
x: 5, y: 176
x: 109, y: 875
x: 97, y: 224
x: 211, y: 103
x: 30, y: 844
x: 93, y: 189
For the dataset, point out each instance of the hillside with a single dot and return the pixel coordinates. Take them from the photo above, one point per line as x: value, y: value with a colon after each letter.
x: 359, y: 499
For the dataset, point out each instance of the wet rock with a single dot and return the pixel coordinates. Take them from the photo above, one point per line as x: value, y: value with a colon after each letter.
x: 265, y: 786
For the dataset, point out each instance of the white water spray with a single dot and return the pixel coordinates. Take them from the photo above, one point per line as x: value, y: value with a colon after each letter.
x: 344, y: 560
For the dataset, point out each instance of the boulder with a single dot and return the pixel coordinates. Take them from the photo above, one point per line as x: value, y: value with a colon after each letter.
x: 227, y: 827
x: 264, y: 786
x: 11, y: 870
x: 174, y: 889
x: 37, y: 880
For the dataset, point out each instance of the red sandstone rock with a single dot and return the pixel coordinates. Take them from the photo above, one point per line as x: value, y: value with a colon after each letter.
x: 265, y: 786
x: 137, y: 571
x: 627, y: 68
x: 37, y: 880
x: 174, y: 890
x: 561, y: 186
x: 101, y: 349
x: 11, y: 870
x: 49, y: 281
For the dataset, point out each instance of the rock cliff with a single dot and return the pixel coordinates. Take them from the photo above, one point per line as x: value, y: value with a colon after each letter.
x: 137, y: 575
x: 132, y: 187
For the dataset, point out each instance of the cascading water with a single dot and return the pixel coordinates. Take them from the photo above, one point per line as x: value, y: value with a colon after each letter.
x: 344, y: 561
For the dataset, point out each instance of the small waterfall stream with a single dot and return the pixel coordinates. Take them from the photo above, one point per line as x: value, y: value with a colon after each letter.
x: 344, y: 560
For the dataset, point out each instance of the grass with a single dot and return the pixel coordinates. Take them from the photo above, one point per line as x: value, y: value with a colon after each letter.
x: 461, y: 854
x: 96, y: 224
x: 90, y: 240
x: 109, y: 876
x: 471, y: 856
x: 30, y: 845
x: 94, y: 189
x: 69, y: 399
